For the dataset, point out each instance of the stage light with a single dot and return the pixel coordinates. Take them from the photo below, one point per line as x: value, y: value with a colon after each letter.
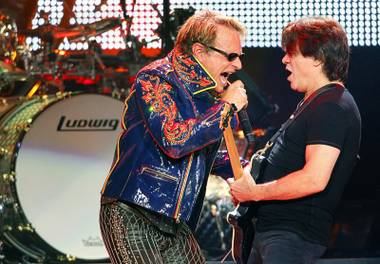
x: 263, y: 19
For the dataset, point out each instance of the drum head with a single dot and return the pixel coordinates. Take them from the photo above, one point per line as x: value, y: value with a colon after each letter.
x: 61, y: 165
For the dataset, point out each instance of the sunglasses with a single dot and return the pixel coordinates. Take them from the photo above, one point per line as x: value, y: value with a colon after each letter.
x: 230, y: 56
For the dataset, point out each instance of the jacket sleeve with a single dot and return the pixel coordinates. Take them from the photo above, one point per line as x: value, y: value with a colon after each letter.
x: 175, y: 135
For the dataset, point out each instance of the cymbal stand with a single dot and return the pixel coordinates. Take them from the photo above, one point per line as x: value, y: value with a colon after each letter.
x: 135, y: 44
x: 94, y: 58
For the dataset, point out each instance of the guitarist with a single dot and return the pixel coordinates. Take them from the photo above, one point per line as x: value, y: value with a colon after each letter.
x: 312, y: 159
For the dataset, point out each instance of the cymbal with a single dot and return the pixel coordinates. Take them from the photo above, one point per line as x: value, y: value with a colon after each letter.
x: 11, y: 73
x: 96, y: 28
x: 51, y: 32
x: 14, y: 76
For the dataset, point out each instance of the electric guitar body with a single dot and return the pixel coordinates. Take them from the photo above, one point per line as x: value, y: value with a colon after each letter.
x: 242, y: 217
x: 243, y: 231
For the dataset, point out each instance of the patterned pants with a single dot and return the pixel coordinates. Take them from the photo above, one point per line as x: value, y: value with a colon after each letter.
x: 131, y: 238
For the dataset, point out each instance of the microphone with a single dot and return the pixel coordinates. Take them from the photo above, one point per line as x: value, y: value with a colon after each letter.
x: 245, y: 125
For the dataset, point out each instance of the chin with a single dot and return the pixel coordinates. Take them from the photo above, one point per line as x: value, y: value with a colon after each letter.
x: 294, y: 87
x: 219, y: 89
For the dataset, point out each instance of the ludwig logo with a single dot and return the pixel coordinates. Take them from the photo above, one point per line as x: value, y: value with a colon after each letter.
x: 93, y: 242
x: 84, y: 124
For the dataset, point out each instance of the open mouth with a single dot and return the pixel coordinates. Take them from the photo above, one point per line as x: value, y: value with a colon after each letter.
x: 224, y: 78
x: 289, y: 72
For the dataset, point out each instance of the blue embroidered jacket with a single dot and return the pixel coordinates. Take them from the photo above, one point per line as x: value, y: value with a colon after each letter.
x: 170, y: 139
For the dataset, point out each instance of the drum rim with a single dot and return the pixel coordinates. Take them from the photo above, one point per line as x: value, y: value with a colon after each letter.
x: 51, y: 252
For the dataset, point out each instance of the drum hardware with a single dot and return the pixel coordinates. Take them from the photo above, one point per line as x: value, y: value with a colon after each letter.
x: 19, y: 127
x: 94, y: 29
x: 9, y: 177
x: 23, y: 127
x: 5, y: 201
x: 28, y: 228
x: 34, y: 89
x: 27, y: 253
x: 8, y: 37
x: 13, y: 76
x: 57, y: 71
x: 3, y: 152
x: 45, y: 63
x: 2, y: 205
x: 7, y: 155
x: 49, y: 33
x: 66, y: 258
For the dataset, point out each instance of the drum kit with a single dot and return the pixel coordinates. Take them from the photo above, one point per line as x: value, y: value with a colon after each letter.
x: 60, y: 70
x: 57, y: 139
x: 59, y: 122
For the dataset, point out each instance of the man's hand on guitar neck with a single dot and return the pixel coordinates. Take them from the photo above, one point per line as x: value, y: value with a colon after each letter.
x: 240, y: 189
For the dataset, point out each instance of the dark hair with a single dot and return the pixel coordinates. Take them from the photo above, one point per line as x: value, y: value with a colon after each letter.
x: 322, y: 39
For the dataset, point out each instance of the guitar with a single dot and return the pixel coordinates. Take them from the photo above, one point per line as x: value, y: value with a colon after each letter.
x: 241, y: 218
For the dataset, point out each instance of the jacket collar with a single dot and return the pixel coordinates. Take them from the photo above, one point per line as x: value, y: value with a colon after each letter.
x: 191, y: 72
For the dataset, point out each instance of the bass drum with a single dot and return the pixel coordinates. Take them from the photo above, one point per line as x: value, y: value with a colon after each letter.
x: 55, y: 154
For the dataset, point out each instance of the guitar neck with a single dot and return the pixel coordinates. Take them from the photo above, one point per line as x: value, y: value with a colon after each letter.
x: 232, y: 152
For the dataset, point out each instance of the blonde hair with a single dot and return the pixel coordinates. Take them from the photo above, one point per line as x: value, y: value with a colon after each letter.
x: 201, y: 27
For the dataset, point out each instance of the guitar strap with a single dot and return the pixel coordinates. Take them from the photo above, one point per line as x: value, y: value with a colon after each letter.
x: 300, y: 107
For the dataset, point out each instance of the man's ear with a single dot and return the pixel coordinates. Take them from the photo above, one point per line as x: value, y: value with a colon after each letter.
x: 198, y: 50
x: 316, y: 63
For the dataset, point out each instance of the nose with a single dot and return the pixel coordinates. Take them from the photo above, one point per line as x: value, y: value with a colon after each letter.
x: 285, y: 59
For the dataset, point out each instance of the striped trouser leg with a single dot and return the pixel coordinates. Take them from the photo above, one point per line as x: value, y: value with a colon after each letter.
x: 130, y: 238
x: 183, y: 249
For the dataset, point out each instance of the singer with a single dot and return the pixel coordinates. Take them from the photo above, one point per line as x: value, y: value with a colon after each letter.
x: 172, y: 129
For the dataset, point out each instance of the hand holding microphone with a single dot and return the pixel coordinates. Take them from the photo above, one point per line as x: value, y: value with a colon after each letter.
x: 236, y: 94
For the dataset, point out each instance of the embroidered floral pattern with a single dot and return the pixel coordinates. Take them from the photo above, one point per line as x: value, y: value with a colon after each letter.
x: 156, y: 94
x: 162, y: 64
x: 185, y: 66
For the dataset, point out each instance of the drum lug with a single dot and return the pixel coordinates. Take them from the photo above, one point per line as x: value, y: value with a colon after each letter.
x: 7, y: 228
x: 28, y: 227
x: 5, y: 201
x: 3, y: 152
x: 3, y: 102
x: 61, y: 95
x: 66, y: 258
x: 24, y: 126
x: 9, y: 177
